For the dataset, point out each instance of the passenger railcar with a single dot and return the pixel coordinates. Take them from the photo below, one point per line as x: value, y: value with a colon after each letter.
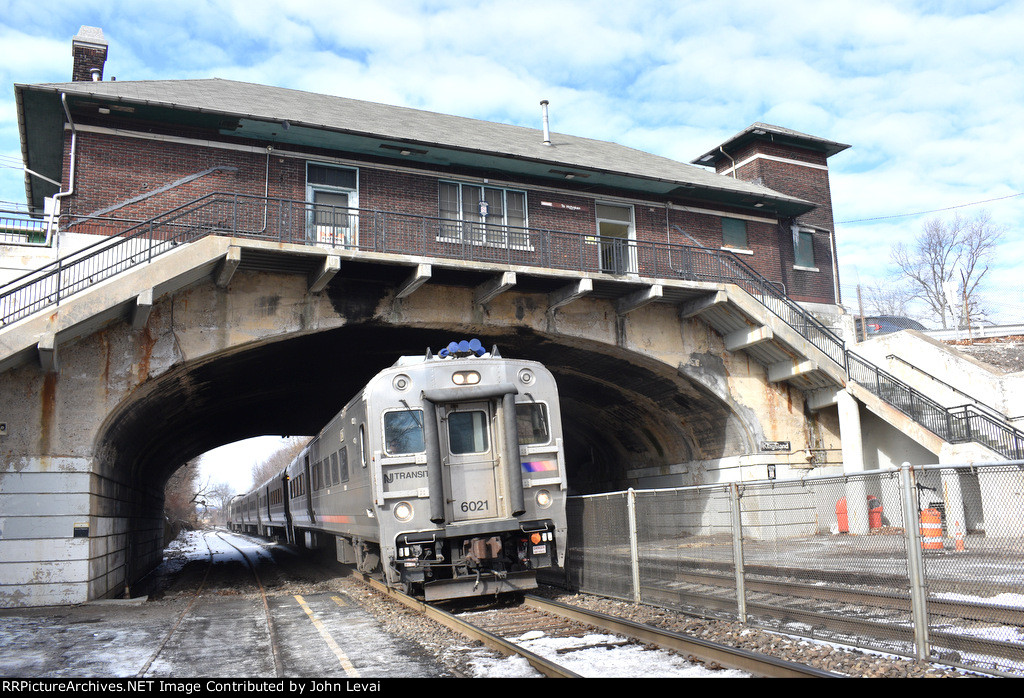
x: 445, y: 475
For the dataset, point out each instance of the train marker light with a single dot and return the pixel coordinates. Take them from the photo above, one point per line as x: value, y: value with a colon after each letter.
x: 543, y: 499
x: 465, y: 378
x: 472, y: 347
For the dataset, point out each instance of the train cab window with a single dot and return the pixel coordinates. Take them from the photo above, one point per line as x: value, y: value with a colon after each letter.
x: 403, y: 432
x: 467, y: 432
x: 532, y: 423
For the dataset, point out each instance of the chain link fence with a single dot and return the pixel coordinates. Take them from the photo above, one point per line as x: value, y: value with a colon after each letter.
x: 923, y: 562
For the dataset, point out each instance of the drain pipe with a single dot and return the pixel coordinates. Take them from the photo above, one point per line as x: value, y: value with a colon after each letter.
x: 733, y: 168
x: 55, y: 215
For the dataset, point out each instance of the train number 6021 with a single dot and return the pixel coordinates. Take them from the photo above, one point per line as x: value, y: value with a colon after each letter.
x: 478, y: 505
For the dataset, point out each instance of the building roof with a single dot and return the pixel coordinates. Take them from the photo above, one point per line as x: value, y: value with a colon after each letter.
x: 777, y: 134
x: 286, y: 116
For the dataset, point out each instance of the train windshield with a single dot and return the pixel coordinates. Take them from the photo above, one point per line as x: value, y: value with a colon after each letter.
x: 467, y: 432
x: 532, y: 423
x: 403, y: 432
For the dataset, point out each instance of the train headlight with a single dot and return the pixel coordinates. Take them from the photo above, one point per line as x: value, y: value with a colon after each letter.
x: 543, y: 499
x: 465, y: 378
x: 403, y: 511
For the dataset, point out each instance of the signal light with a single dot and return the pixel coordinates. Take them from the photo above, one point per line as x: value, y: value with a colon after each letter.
x: 472, y: 347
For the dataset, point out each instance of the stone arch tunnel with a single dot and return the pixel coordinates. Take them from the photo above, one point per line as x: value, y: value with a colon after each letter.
x: 617, y: 409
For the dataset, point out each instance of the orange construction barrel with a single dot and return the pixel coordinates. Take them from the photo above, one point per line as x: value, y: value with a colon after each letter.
x: 844, y: 524
x: 874, y: 512
x: 931, y: 530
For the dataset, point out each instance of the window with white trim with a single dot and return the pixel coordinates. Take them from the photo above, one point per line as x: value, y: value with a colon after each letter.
x: 734, y: 233
x: 334, y: 195
x: 803, y: 248
x: 482, y: 215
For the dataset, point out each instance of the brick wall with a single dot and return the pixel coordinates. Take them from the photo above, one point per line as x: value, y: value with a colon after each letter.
x: 114, y: 170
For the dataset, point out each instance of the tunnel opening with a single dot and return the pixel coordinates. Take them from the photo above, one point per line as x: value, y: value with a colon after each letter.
x: 621, y: 411
x: 623, y: 414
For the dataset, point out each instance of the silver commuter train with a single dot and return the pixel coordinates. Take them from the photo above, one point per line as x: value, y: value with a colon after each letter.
x: 445, y: 475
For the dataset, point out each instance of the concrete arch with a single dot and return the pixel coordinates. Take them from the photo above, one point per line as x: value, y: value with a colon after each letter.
x: 212, y: 365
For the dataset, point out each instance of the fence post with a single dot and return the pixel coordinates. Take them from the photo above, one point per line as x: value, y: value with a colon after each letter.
x: 915, y: 561
x: 737, y: 552
x: 634, y: 548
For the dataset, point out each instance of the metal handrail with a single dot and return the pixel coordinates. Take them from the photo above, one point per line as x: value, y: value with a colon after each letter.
x: 981, y: 405
x: 959, y: 424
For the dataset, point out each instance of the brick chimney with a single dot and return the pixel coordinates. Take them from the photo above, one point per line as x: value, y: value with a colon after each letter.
x: 89, y: 51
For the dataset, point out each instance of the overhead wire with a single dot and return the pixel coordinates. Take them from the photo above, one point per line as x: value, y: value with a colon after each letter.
x: 934, y: 210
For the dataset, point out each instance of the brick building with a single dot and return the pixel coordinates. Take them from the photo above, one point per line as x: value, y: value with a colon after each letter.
x: 127, y: 151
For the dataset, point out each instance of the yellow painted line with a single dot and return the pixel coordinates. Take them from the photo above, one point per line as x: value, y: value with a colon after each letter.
x: 338, y: 600
x: 342, y: 657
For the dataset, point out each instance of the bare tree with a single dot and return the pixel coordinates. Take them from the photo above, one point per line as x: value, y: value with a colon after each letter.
x: 181, y: 493
x: 888, y: 299
x: 278, y: 460
x: 955, y: 252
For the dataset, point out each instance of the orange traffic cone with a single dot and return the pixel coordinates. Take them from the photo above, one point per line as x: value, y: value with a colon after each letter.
x: 959, y: 539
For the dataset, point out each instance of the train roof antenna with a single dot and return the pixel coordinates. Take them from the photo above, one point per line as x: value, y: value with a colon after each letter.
x: 495, y: 353
x: 430, y: 354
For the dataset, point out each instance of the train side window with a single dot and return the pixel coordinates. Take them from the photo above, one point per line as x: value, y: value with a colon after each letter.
x: 532, y: 423
x: 467, y: 432
x: 343, y: 464
x: 403, y: 432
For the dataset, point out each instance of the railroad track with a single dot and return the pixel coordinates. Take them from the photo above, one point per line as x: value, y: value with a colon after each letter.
x: 197, y: 598
x: 861, y: 609
x: 554, y: 618
x: 884, y: 615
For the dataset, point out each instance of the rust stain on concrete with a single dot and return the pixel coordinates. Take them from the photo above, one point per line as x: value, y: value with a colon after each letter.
x: 48, y: 414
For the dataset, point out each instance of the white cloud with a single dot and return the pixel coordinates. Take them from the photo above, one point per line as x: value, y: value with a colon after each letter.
x: 928, y: 95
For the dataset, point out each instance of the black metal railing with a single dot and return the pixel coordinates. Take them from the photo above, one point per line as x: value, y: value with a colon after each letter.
x: 960, y: 424
x: 301, y: 222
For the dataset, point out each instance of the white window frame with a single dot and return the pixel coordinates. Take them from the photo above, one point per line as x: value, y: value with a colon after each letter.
x: 632, y: 261
x: 454, y: 230
x: 349, y: 235
x: 797, y: 232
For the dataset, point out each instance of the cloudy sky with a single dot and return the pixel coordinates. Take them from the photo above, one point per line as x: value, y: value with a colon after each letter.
x: 930, y: 95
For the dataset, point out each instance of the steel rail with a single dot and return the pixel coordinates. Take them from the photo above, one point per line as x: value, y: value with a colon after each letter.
x: 759, y: 665
x: 188, y: 607
x: 274, y: 648
x: 1007, y: 615
x: 544, y: 666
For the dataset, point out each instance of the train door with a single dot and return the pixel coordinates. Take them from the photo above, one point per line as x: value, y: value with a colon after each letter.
x: 307, y: 476
x: 469, y: 453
